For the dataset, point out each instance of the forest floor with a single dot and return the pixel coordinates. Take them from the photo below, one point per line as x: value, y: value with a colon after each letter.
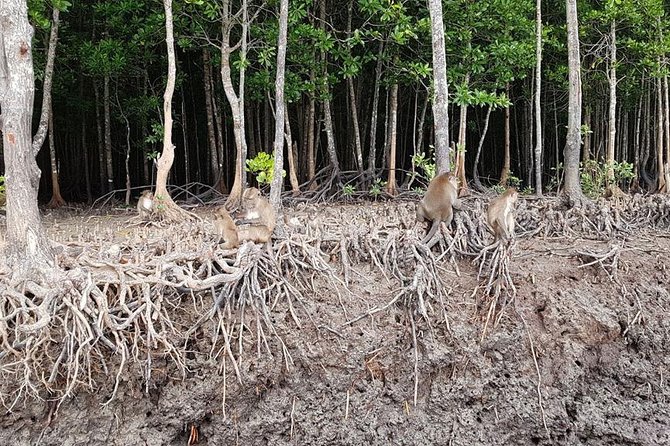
x: 579, y: 354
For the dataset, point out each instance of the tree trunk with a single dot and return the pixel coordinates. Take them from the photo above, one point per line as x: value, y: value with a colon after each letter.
x: 102, y: 171
x: 461, y: 147
x: 666, y: 124
x: 292, y: 155
x: 372, y: 155
x: 504, y: 175
x: 56, y: 197
x: 278, y: 179
x: 660, y: 171
x: 38, y: 140
x: 611, y: 137
x: 311, y: 139
x: 327, y: 117
x: 164, y: 204
x: 476, y: 180
x: 538, y: 103
x: 84, y: 147
x: 573, y: 188
x: 391, y: 187
x: 236, y: 103
x: 109, y: 169
x: 27, y: 250
x: 440, y: 111
x: 354, y: 103
x: 215, y: 169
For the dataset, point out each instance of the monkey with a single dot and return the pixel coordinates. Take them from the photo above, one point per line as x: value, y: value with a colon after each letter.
x: 500, y: 214
x: 256, y: 210
x: 439, y: 202
x: 254, y: 233
x: 226, y: 229
x: 145, y: 205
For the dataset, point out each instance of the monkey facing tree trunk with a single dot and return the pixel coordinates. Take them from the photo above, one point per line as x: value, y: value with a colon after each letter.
x: 439, y: 202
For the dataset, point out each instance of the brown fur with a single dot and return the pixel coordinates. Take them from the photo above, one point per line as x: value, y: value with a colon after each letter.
x: 256, y: 210
x: 254, y: 233
x: 438, y: 203
x: 226, y: 229
x: 145, y: 204
x: 500, y: 214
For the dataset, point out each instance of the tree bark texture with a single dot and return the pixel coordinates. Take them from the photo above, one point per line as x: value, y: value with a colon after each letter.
x: 538, y: 97
x: 573, y: 188
x: 440, y: 111
x: 28, y: 249
x: 391, y: 186
x: 277, y: 178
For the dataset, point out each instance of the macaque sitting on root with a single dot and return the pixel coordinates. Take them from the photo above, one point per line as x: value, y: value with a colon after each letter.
x: 256, y: 210
x: 500, y: 214
x: 145, y: 205
x: 439, y: 202
x: 226, y: 229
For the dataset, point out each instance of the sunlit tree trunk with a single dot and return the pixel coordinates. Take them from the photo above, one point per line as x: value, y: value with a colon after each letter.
x: 236, y: 102
x: 277, y: 179
x: 440, y: 112
x: 391, y: 186
x: 27, y: 250
x: 538, y: 96
x: 573, y: 188
x: 611, y: 137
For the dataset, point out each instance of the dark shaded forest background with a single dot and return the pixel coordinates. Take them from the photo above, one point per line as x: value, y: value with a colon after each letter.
x: 110, y: 76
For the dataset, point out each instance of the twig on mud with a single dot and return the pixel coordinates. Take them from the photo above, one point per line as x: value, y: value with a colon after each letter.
x: 539, y: 376
x: 416, y: 358
x: 292, y: 417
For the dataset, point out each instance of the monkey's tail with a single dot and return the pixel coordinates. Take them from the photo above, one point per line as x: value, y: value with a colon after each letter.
x: 433, y: 229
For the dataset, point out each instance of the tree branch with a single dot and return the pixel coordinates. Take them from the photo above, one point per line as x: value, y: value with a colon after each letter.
x: 41, y: 134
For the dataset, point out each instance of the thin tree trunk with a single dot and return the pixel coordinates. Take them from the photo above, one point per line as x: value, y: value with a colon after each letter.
x: 27, y: 249
x: 236, y: 102
x: 422, y: 119
x: 372, y: 156
x: 108, y: 136
x: 56, y: 197
x: 84, y: 147
x: 39, y: 137
x: 165, y: 205
x: 611, y: 137
x: 478, y: 183
x: 666, y: 115
x: 292, y: 155
x: 354, y: 103
x: 586, y: 150
x: 573, y: 188
x: 440, y: 110
x: 391, y: 186
x: 461, y: 147
x: 538, y: 102
x: 278, y: 180
x: 328, y: 120
x: 504, y: 175
x: 101, y: 148
x: 311, y: 140
x: 660, y: 171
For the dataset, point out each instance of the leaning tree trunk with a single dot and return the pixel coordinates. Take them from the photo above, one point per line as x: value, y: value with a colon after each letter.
x: 164, y: 205
x: 40, y: 135
x: 572, y: 190
x: 27, y: 249
x: 460, y: 148
x: 372, y: 155
x: 278, y: 179
x: 440, y: 112
x: 475, y: 176
x: 215, y: 169
x: 236, y: 103
x: 538, y: 103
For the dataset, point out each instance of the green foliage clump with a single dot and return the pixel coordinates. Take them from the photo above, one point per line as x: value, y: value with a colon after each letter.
x: 593, y: 176
x: 377, y: 187
x: 426, y: 164
x: 348, y: 190
x: 262, y: 165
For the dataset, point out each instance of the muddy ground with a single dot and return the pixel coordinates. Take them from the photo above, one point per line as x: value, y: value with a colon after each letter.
x: 581, y: 355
